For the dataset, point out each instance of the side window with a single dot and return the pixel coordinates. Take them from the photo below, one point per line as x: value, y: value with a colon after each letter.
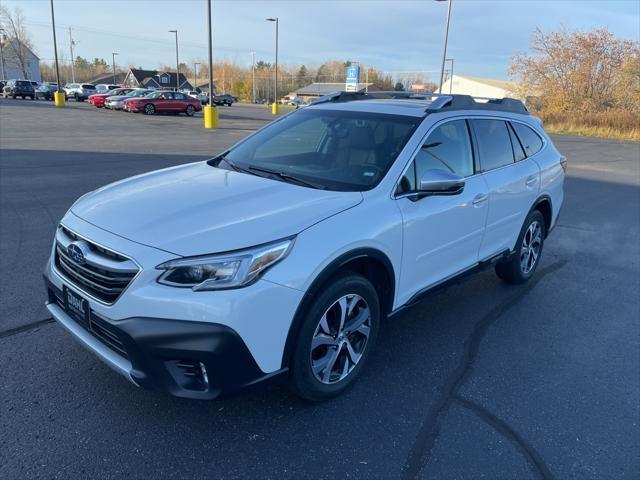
x: 448, y: 148
x: 530, y: 140
x: 518, y: 152
x: 179, y: 96
x: 494, y: 143
x: 166, y: 96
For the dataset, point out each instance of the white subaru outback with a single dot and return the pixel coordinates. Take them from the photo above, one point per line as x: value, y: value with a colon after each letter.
x: 281, y: 256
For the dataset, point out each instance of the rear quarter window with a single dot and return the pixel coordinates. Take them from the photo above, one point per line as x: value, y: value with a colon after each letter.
x: 530, y: 140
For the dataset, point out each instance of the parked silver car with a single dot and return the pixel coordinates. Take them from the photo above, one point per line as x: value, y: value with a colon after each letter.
x: 79, y: 91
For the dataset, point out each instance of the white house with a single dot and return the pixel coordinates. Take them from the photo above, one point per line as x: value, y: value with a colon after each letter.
x: 480, y: 87
x: 10, y: 65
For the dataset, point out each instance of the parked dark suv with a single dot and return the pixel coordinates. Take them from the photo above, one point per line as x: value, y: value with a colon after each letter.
x: 19, y: 88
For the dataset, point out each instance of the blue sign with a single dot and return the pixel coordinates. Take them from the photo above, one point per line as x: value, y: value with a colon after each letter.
x: 353, y: 77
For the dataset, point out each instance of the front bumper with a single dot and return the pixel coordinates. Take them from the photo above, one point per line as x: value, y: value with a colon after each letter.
x: 184, y: 358
x: 259, y: 315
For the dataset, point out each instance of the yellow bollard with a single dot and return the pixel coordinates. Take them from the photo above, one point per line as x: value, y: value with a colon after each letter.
x: 274, y: 108
x: 210, y: 117
x: 58, y: 99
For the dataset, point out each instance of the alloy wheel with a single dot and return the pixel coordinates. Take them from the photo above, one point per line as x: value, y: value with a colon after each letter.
x: 340, y: 339
x: 531, y: 246
x: 149, y: 109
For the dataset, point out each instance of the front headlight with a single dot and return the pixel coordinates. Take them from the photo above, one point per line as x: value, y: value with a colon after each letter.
x: 232, y: 270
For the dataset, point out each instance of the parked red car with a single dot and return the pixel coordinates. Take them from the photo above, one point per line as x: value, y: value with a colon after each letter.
x: 97, y: 99
x: 164, y: 102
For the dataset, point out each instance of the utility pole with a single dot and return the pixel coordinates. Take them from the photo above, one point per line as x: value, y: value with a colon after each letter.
x: 113, y: 63
x: 446, y: 39
x: 253, y: 76
x: 71, y: 45
x: 2, y: 37
x: 195, y: 74
x: 58, y: 95
x: 274, y: 107
x: 177, y: 62
x: 210, y: 112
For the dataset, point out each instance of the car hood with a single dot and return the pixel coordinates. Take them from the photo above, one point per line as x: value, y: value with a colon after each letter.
x: 197, y: 209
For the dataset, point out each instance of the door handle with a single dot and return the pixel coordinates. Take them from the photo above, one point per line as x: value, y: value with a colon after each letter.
x: 531, y: 180
x: 481, y: 197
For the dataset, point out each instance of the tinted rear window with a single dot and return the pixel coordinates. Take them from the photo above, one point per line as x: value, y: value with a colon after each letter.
x: 88, y: 87
x: 494, y: 143
x: 530, y: 140
x: 23, y: 83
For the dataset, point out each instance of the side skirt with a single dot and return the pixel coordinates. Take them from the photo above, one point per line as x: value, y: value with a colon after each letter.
x: 454, y: 279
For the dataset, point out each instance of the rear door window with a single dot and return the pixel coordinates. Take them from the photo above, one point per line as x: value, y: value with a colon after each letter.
x: 494, y: 143
x: 530, y: 140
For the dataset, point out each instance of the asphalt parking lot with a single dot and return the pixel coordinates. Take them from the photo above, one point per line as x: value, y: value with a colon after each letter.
x: 482, y: 380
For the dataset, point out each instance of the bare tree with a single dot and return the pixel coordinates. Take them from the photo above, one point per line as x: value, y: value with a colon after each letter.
x: 13, y: 23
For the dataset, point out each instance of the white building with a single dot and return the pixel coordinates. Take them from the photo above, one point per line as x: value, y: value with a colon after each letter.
x: 480, y: 87
x: 10, y: 66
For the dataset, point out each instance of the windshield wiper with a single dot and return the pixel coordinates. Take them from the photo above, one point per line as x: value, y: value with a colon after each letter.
x: 287, y: 177
x: 235, y: 166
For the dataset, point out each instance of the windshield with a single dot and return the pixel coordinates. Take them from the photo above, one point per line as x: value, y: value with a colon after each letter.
x: 333, y: 149
x: 154, y: 95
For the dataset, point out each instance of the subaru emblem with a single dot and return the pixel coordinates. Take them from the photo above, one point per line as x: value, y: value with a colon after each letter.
x: 77, y: 251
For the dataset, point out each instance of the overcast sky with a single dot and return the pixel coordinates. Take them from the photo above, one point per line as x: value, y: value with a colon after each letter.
x: 392, y: 35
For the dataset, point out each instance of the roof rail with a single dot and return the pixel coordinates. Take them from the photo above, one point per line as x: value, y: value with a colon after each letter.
x: 439, y: 102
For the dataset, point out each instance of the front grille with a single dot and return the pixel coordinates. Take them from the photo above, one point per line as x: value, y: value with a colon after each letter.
x: 104, y: 275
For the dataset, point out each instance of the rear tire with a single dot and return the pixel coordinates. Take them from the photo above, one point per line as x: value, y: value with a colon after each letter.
x: 523, y: 263
x: 190, y: 110
x: 336, y: 337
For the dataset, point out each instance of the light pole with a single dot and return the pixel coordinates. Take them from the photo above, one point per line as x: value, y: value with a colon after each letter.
x: 71, y: 44
x: 2, y: 36
x: 177, y: 62
x: 451, y: 76
x: 253, y: 76
x: 195, y: 73
x: 58, y: 96
x: 210, y: 112
x: 274, y: 107
x: 446, y: 39
x: 113, y: 63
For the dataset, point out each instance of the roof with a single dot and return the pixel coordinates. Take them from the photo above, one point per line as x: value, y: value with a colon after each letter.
x: 415, y: 106
x: 412, y: 108
x: 140, y: 75
x: 6, y: 43
x: 108, y: 78
x: 324, y: 88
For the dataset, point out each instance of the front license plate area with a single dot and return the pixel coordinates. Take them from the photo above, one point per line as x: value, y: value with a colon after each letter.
x: 76, y: 306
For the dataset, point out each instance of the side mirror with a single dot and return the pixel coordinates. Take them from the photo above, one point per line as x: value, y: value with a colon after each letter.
x: 440, y: 182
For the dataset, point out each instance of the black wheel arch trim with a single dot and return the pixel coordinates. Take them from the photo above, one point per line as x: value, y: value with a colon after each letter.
x: 544, y: 198
x: 331, y: 269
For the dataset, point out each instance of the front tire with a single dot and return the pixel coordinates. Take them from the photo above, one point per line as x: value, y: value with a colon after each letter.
x: 523, y: 263
x: 149, y: 109
x: 336, y: 337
